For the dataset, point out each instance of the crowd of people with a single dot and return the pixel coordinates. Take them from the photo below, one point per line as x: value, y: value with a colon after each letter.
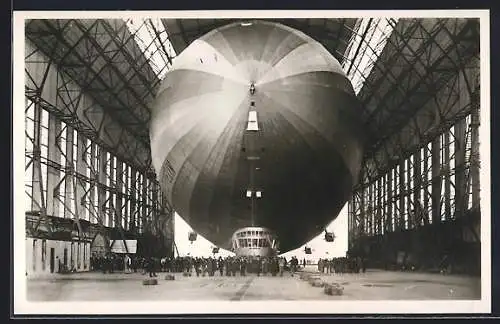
x: 342, y: 265
x: 211, y: 266
x: 228, y: 266
x: 199, y: 266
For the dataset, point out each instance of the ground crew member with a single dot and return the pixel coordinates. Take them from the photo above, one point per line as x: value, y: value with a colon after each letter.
x: 243, y: 265
x: 227, y: 264
x: 234, y: 266
x: 221, y: 266
x: 150, y: 265
x: 281, y: 266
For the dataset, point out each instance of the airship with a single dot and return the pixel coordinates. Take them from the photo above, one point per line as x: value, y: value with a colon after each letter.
x: 256, y: 126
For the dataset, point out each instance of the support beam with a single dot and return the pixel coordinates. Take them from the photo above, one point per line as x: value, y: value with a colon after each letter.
x: 436, y: 181
x: 460, y: 169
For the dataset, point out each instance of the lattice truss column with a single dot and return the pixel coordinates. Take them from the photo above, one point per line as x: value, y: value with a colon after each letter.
x: 72, y: 165
x: 70, y: 176
x: 425, y: 170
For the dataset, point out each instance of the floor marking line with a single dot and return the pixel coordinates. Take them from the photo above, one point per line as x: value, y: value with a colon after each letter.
x: 241, y: 292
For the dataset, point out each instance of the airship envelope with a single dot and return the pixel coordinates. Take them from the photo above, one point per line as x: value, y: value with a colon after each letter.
x: 256, y: 124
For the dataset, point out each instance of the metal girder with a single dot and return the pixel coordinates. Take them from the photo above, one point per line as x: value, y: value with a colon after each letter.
x: 121, y: 43
x: 433, y: 80
x: 144, y: 111
x: 422, y: 171
x: 437, y: 111
x: 422, y: 127
x: 63, y: 99
x: 65, y: 180
x: 79, y: 193
x: 322, y: 34
x: 157, y: 34
x: 391, y: 119
x: 437, y: 182
x: 76, y: 74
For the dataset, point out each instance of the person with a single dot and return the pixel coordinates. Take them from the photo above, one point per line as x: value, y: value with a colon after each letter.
x: 214, y: 266
x: 293, y: 265
x: 127, y: 264
x: 234, y: 266
x: 163, y: 262
x: 209, y: 267
x: 203, y: 267
x: 258, y: 266
x: 197, y: 266
x: 111, y: 263
x: 220, y: 265
x: 106, y: 264
x: 264, y: 266
x: 242, y: 267
x: 274, y: 266
x: 168, y: 265
x: 59, y: 264
x: 150, y: 266
x: 227, y: 265
x: 281, y: 266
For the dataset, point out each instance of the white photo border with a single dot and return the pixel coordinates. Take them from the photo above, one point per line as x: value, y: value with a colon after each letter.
x: 24, y: 307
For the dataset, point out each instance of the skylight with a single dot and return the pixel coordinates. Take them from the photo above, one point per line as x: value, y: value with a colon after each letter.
x: 365, y: 46
x: 152, y: 38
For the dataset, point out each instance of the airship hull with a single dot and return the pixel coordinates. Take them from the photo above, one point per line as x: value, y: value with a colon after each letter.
x: 303, y: 157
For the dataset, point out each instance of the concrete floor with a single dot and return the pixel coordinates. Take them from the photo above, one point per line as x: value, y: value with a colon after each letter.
x: 373, y: 285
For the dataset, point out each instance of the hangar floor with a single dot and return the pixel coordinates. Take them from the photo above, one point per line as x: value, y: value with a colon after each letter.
x: 372, y: 285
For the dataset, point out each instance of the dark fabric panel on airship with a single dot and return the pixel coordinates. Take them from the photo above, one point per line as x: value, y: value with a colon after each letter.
x: 228, y: 187
x: 325, y: 79
x: 311, y: 161
x: 332, y: 113
x: 279, y: 43
x: 176, y: 154
x: 181, y: 192
x: 196, y: 146
x: 309, y: 186
x: 309, y: 138
x: 206, y: 189
x: 189, y: 84
x: 220, y: 43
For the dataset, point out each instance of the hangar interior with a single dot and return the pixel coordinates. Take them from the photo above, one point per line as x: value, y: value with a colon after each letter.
x: 89, y: 182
